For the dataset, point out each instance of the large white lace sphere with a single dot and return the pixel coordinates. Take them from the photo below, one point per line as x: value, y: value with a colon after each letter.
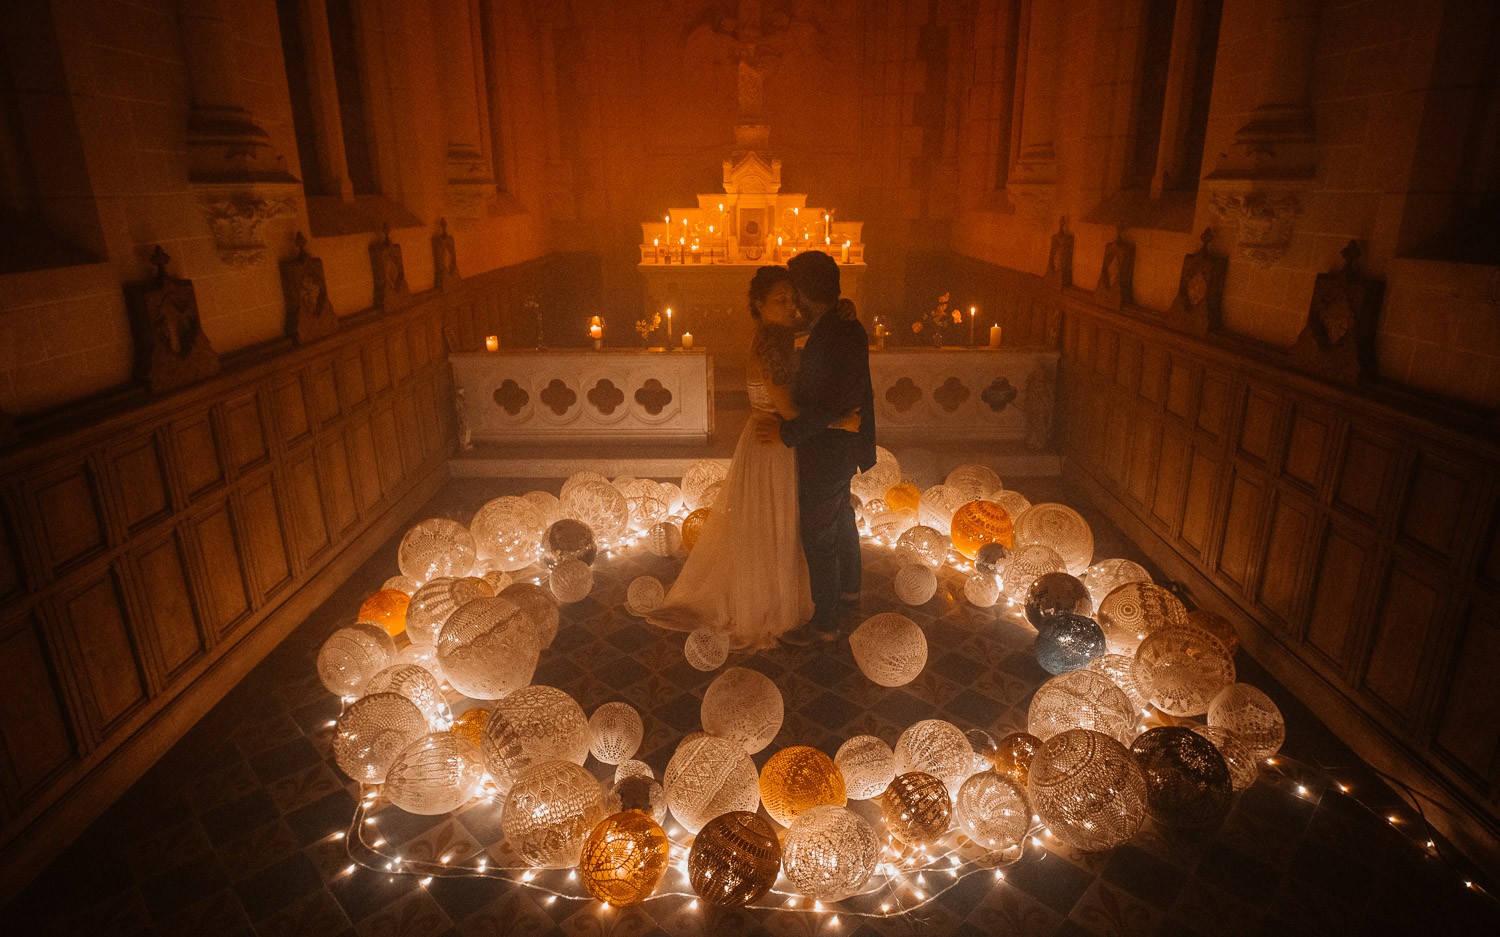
x: 601, y: 506
x: 977, y: 482
x: 1238, y: 757
x: 829, y: 853
x: 352, y: 655
x: 1121, y: 672
x: 706, y: 649
x: 568, y: 538
x: 615, y: 732
x: 744, y: 707
x: 418, y: 685
x: 437, y: 773
x: 579, y: 478
x: 700, y: 476
x: 1251, y: 715
x: 868, y: 766
x: 982, y: 590
x: 915, y: 585
x: 1014, y: 503
x: 532, y: 725
x: 889, y: 648
x: 1081, y: 699
x: 922, y: 546
x: 549, y: 812
x: 888, y: 526
x: 708, y: 776
x: 436, y: 547
x: 372, y: 732
x: 548, y: 507
x: 507, y: 531
x: 571, y: 580
x: 1027, y: 564
x: 401, y: 584
x: 644, y: 595
x: 432, y: 605
x: 672, y: 495
x: 876, y: 480
x: 1134, y: 610
x: 1061, y: 528
x: 938, y: 748
x: 1106, y: 576
x: 488, y: 648
x: 665, y: 538
x: 1087, y: 789
x: 993, y: 810
x: 540, y: 608
x: 1180, y: 670
x: 937, y: 507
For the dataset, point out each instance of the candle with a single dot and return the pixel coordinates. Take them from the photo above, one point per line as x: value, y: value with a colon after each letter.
x: 669, y: 325
x: 656, y: 248
x: 994, y: 336
x: 777, y: 258
x: 971, y: 326
x: 687, y: 339
x: 828, y: 226
x: 845, y: 258
x: 492, y: 343
x: 682, y: 250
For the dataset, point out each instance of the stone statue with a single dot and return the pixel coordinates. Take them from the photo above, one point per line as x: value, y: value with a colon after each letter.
x: 1338, y: 342
x: 444, y: 257
x: 309, y: 314
x: 171, y: 349
x: 1199, y: 304
x: 1113, y: 288
x: 1060, y: 257
x: 391, y: 291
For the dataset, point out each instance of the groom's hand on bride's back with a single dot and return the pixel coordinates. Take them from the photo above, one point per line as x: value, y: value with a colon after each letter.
x: 768, y: 430
x: 845, y: 309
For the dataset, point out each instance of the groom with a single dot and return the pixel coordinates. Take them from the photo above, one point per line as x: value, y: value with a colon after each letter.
x: 833, y: 379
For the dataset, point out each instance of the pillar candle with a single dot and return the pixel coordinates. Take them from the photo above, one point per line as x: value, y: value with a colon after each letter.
x: 971, y: 326
x: 845, y: 258
x: 492, y: 343
x: 669, y: 325
x: 687, y: 339
x: 994, y: 336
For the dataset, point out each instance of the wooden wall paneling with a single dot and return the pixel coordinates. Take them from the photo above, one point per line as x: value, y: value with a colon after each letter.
x: 1213, y: 406
x: 1364, y: 481
x: 68, y: 515
x: 14, y: 578
x: 1437, y: 513
x: 1154, y: 364
x: 377, y: 368
x: 223, y: 570
x: 94, y: 627
x: 1312, y: 433
x: 322, y: 393
x: 164, y: 609
x: 350, y: 371
x: 1241, y: 532
x: 291, y: 410
x: 37, y: 742
x: 387, y: 447
x: 1171, y: 482
x: 1199, y: 509
x: 409, y: 432
x: 399, y: 355
x: 1283, y: 581
x: 1117, y: 442
x: 195, y: 451
x: 1182, y: 388
x: 1259, y: 426
x: 1468, y: 724
x: 1411, y: 608
x: 425, y: 393
x: 308, y: 525
x: 259, y: 523
x: 337, y: 485
x: 244, y: 429
x: 137, y: 471
x: 1127, y: 362
x: 364, y: 463
x: 1107, y: 352
x: 1140, y: 472
x: 1339, y: 618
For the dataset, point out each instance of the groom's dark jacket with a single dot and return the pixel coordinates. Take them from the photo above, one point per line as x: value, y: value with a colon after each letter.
x: 833, y: 378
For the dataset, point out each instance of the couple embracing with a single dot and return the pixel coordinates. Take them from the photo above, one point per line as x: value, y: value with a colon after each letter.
x: 778, y: 559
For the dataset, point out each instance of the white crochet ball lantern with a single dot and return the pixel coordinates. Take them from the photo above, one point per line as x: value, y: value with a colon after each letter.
x: 615, y: 732
x: 709, y: 776
x: 488, y: 648
x: 743, y: 706
x: 938, y: 748
x: 507, y: 531
x: 644, y: 595
x: 549, y: 812
x: 868, y: 766
x: 915, y: 585
x: 373, y: 732
x: 889, y: 648
x: 706, y: 649
x: 530, y: 726
x: 352, y: 655
x: 922, y: 546
x: 982, y: 590
x: 1082, y: 699
x: 1061, y: 528
x: 571, y: 580
x: 436, y: 547
x: 436, y: 774
x: 829, y: 853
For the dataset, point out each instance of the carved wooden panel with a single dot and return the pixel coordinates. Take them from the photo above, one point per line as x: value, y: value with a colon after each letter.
x: 351, y: 381
x: 70, y: 518
x: 1128, y: 362
x: 1468, y: 729
x: 338, y: 490
x: 1284, y: 566
x: 139, y: 476
x: 1198, y: 514
x: 1154, y: 364
x: 291, y: 410
x: 244, y: 432
x: 1338, y: 590
x: 388, y: 447
x: 1258, y: 426
x: 35, y: 741
x: 1117, y: 444
x: 263, y: 541
x: 365, y: 465
x: 399, y: 355
x: 1241, y: 527
x: 1141, y: 472
x: 409, y: 439
x: 1407, y: 614
x: 1308, y: 444
x: 94, y: 621
x: 323, y: 396
x: 307, y: 506
x: 1171, y: 479
x: 377, y: 367
x: 427, y: 414
x: 197, y: 455
x: 1369, y: 465
x: 1213, y: 408
x: 223, y: 570
x: 170, y: 622
x: 1182, y: 389
x: 1439, y: 505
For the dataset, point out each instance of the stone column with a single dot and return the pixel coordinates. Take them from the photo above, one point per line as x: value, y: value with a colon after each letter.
x: 1187, y: 22
x: 1276, y: 140
x: 459, y: 68
x: 225, y: 143
x: 1036, y: 159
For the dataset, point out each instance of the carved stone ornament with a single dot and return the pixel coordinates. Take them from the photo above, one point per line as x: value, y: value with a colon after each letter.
x: 444, y: 258
x: 171, y: 349
x: 309, y: 314
x: 237, y: 218
x: 1338, y: 342
x: 1113, y: 289
x: 1039, y: 404
x: 1263, y: 221
x: 391, y: 291
x: 1199, y: 304
x: 1059, y: 273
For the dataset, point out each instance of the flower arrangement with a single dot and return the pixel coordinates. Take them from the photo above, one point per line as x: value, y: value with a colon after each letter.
x: 647, y: 327
x: 938, y: 318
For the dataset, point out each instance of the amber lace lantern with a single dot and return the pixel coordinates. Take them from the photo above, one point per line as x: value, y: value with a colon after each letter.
x: 798, y: 778
x: 978, y: 523
x: 624, y: 858
x: 734, y: 860
x: 1013, y: 755
x: 916, y: 808
x: 386, y: 608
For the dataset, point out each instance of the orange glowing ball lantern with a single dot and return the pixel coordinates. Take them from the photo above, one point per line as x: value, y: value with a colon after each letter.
x: 692, y: 528
x: 797, y: 779
x: 903, y: 497
x: 386, y: 608
x: 470, y: 724
x: 978, y: 523
x: 624, y: 858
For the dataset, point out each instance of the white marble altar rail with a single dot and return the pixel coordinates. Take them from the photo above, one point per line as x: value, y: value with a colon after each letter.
x: 1002, y: 395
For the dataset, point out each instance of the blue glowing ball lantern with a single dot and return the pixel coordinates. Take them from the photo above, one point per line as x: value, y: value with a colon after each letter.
x: 1067, y: 641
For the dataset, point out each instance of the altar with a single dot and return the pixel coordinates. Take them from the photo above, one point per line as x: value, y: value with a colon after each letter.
x: 965, y: 394
x: 570, y: 395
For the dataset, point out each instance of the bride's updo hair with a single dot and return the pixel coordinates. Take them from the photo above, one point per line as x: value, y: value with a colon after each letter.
x: 760, y: 286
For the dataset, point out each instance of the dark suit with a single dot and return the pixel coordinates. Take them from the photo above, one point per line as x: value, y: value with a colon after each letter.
x: 833, y: 378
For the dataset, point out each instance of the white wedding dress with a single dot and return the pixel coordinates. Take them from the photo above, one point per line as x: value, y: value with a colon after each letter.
x: 746, y: 576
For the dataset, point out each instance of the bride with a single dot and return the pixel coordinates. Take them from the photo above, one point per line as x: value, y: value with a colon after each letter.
x: 746, y: 576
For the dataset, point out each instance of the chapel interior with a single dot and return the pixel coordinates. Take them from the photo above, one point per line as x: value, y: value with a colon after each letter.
x: 280, y: 279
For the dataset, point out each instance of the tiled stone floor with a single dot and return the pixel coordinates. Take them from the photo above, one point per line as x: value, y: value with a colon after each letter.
x: 234, y: 831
